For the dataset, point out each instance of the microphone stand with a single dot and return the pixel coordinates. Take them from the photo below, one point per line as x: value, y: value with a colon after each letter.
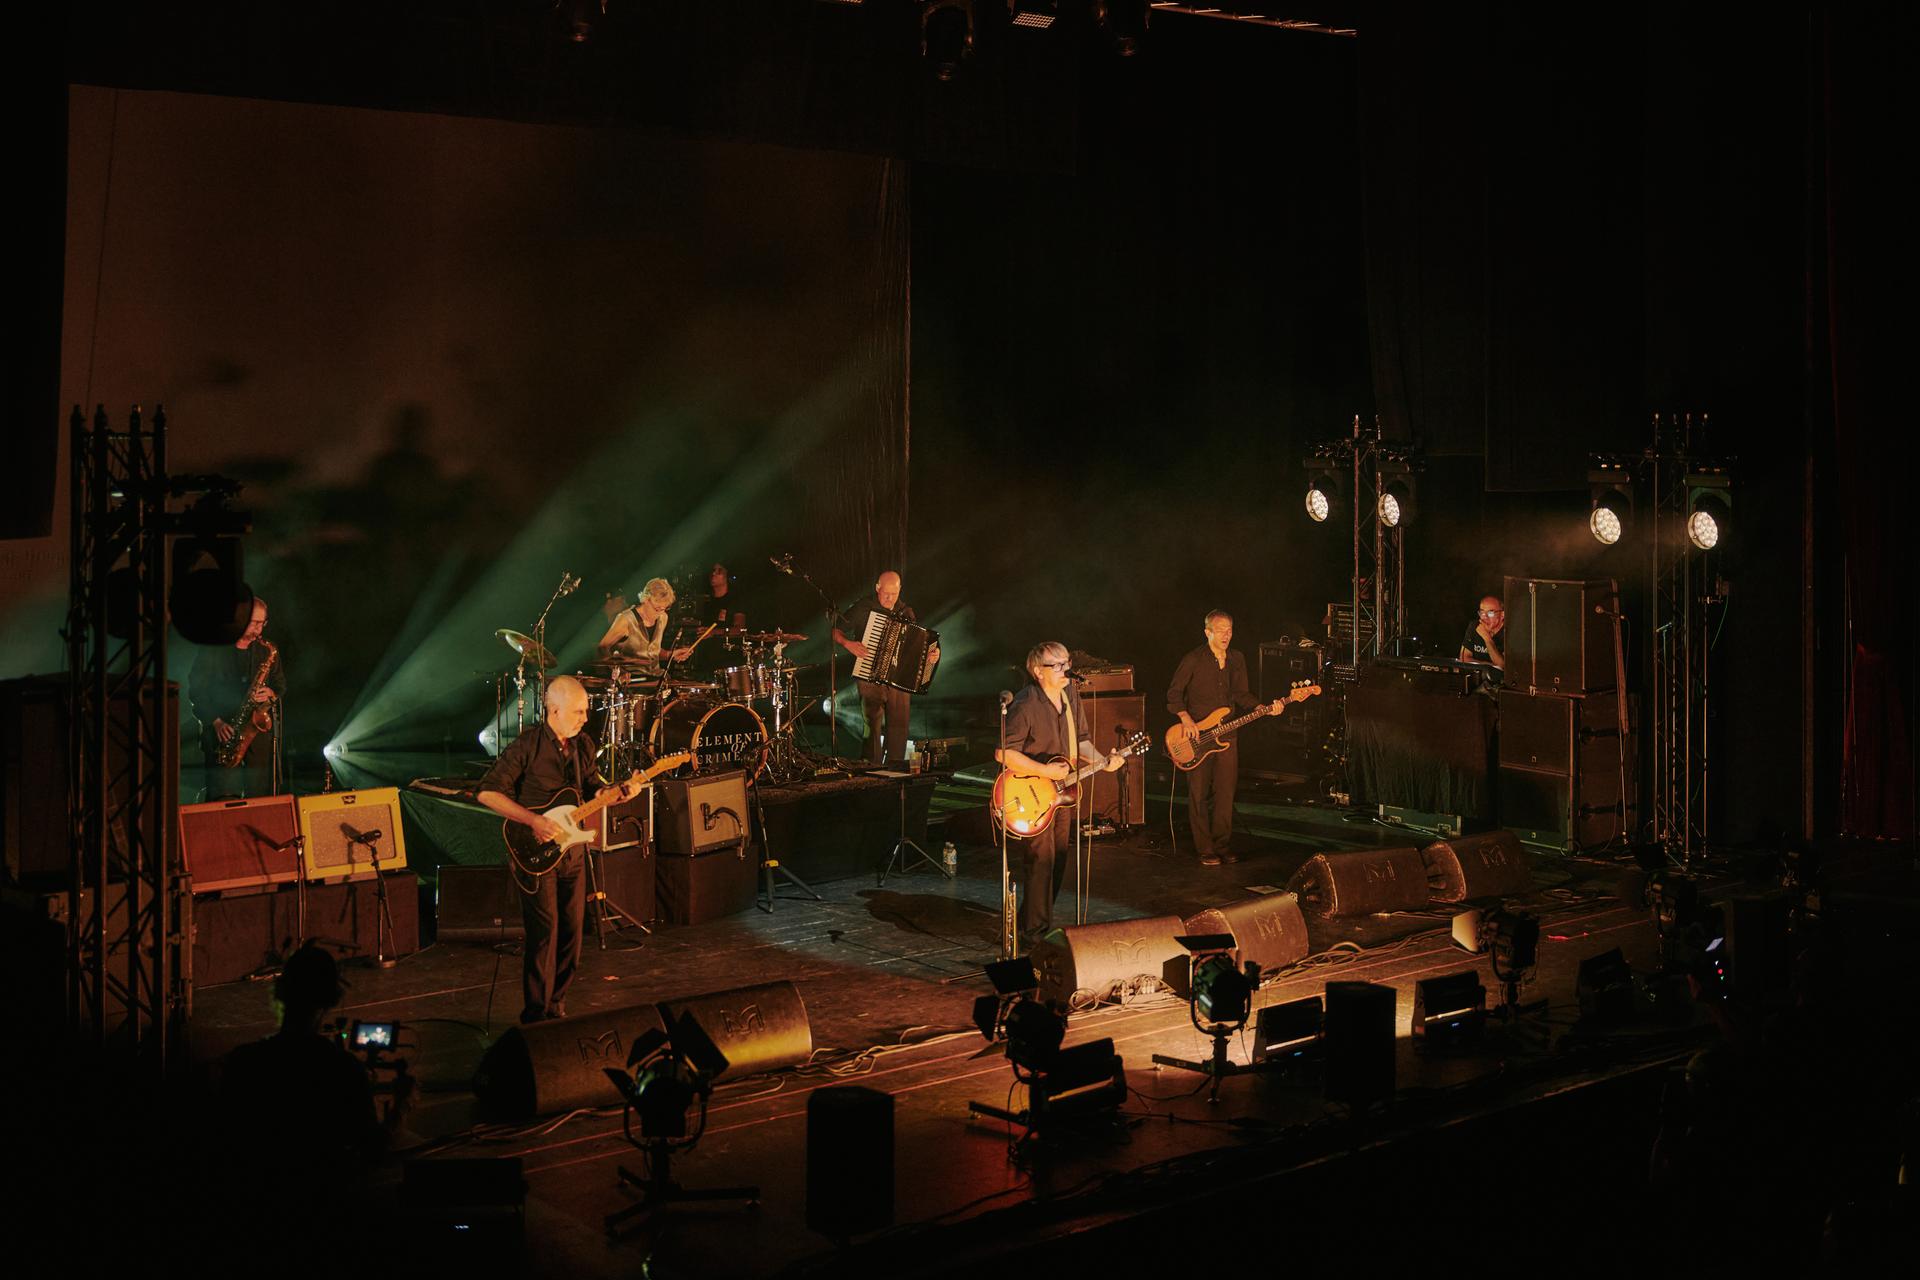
x: 567, y: 584
x: 382, y: 916
x: 835, y: 618
x: 1009, y: 922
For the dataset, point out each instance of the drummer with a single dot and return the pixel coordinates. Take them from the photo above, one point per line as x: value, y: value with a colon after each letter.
x: 637, y: 632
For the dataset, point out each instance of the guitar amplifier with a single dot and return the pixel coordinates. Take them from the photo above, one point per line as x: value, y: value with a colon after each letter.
x: 347, y: 831
x: 1108, y: 679
x: 239, y: 844
x: 697, y: 814
x: 1111, y: 720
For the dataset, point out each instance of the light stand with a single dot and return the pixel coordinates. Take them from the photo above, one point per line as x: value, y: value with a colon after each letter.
x: 601, y: 904
x: 673, y: 1073
x: 1086, y: 1081
x: 1225, y: 994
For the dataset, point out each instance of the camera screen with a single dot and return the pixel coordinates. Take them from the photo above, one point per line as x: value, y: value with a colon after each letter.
x: 373, y: 1035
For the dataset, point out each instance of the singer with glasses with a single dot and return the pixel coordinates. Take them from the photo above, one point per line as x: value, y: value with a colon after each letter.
x: 637, y: 632
x: 885, y: 709
x: 1482, y: 643
x: 1208, y: 678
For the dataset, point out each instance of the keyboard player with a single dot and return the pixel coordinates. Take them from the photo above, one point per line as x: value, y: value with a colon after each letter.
x: 885, y: 709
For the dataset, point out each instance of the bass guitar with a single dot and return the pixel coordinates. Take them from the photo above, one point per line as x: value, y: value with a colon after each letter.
x: 1025, y: 806
x: 536, y: 857
x: 1187, y: 752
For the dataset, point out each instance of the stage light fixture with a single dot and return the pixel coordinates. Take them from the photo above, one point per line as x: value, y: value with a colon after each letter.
x: 1036, y: 15
x: 1395, y: 507
x: 1610, y: 490
x: 946, y: 36
x: 1321, y: 497
x: 1709, y: 510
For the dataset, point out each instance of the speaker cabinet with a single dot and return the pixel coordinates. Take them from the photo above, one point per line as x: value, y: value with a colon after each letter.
x: 1362, y: 882
x: 1107, y: 959
x: 348, y: 831
x: 759, y: 1029
x: 476, y: 904
x: 238, y: 844
x: 1560, y: 769
x: 706, y: 886
x: 700, y: 813
x: 34, y: 799
x: 1492, y: 865
x: 1111, y: 719
x: 1359, y: 1045
x: 1269, y: 930
x: 849, y: 1161
x: 546, y: 1067
x: 1556, y: 641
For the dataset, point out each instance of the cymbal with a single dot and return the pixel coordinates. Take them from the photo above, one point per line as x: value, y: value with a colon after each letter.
x: 775, y: 637
x: 526, y: 646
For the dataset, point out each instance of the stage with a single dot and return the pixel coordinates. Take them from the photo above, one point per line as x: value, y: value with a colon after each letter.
x: 888, y: 974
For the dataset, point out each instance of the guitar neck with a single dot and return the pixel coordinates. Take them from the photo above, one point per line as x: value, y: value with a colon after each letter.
x: 1230, y: 725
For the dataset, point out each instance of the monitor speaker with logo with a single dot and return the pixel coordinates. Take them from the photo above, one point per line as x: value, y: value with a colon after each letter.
x: 1111, y: 958
x: 1269, y: 931
x: 1362, y: 882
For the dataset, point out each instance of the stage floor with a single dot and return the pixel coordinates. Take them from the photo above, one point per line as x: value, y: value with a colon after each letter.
x: 889, y: 974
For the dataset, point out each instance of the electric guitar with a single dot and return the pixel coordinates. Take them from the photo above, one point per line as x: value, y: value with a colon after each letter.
x: 1187, y: 752
x: 1025, y: 806
x: 536, y: 857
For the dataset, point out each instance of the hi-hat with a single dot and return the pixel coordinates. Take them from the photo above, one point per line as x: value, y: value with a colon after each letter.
x: 526, y: 646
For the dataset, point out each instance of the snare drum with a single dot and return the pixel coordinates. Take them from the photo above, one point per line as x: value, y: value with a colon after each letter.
x: 748, y: 683
x: 719, y: 734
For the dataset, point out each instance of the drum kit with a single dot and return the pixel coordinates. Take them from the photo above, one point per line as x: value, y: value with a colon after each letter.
x: 642, y: 709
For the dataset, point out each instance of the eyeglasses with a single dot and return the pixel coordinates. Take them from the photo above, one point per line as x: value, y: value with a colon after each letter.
x: 1059, y: 666
x: 1493, y: 613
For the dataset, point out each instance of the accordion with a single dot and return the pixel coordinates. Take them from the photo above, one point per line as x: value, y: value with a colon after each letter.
x: 897, y: 653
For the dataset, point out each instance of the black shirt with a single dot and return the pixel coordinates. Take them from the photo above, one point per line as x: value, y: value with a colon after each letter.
x: 221, y: 676
x: 1476, y: 644
x: 1201, y: 686
x: 1035, y: 729
x: 534, y: 768
x: 855, y: 627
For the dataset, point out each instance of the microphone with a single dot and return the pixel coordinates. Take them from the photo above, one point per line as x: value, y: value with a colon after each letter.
x: 367, y: 837
x: 1605, y: 612
x: 1006, y: 697
x: 1077, y: 678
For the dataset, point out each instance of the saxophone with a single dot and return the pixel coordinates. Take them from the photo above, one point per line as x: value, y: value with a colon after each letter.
x: 253, y: 718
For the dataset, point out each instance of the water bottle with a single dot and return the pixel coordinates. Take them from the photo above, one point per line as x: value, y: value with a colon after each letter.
x: 949, y: 857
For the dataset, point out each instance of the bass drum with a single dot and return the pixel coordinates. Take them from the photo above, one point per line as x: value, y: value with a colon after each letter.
x: 721, y: 735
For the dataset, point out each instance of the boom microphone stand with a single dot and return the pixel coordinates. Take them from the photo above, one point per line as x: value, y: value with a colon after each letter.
x: 835, y: 617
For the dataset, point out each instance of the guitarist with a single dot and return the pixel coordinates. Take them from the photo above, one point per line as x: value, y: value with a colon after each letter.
x: 1038, y: 723
x: 537, y: 766
x: 1208, y: 678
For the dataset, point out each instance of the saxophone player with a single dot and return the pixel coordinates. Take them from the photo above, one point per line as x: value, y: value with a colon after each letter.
x: 235, y: 692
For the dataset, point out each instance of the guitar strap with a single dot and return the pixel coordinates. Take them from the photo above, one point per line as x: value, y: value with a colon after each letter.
x: 1073, y: 736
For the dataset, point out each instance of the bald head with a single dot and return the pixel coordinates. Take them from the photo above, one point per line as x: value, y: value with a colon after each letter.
x: 887, y: 588
x: 566, y: 706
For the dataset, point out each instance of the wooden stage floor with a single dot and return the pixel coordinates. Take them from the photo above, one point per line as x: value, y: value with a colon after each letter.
x: 889, y: 974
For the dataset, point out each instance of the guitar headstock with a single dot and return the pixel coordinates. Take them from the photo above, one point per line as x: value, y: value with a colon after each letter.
x: 1302, y: 690
x: 663, y: 764
x: 1136, y: 745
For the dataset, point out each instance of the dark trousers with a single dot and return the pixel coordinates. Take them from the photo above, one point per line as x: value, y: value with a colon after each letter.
x: 1042, y: 869
x: 1210, y: 800
x: 886, y: 711
x: 554, y: 914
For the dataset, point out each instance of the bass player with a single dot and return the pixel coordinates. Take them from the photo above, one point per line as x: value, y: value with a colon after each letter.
x: 1208, y: 678
x: 1045, y: 721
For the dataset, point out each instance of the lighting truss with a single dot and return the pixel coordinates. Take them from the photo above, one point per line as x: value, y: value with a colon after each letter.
x: 128, y: 905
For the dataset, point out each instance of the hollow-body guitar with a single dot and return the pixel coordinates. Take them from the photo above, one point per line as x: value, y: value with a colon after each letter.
x: 1025, y: 806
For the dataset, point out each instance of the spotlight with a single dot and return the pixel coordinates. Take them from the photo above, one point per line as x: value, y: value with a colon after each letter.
x: 1396, y: 505
x: 210, y: 603
x: 1038, y: 15
x: 1032, y: 1031
x: 946, y: 36
x: 1322, y: 496
x: 1609, y: 488
x: 1709, y: 509
x: 1223, y: 994
x: 1088, y: 1079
